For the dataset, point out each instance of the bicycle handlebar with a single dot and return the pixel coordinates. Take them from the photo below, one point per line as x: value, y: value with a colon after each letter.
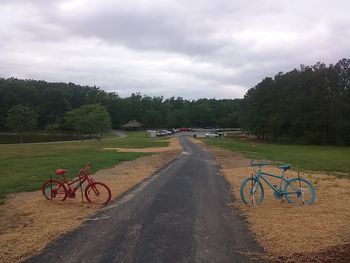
x: 87, y: 166
x: 259, y: 163
x: 84, y: 171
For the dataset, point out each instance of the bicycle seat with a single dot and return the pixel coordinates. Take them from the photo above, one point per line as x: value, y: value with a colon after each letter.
x: 259, y: 163
x: 285, y: 167
x: 61, y: 171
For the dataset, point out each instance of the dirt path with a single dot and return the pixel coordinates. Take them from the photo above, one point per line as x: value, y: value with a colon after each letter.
x: 317, y: 233
x: 28, y: 222
x: 183, y: 214
x: 173, y: 145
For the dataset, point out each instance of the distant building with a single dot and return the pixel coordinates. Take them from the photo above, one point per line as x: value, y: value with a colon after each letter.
x: 132, y: 126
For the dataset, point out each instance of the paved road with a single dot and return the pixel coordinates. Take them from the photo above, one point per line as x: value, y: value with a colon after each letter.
x: 182, y: 214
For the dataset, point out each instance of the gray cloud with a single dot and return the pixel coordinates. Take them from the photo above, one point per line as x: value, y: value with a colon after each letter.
x: 171, y: 48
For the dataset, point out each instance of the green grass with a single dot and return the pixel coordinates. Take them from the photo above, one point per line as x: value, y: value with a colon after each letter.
x: 136, y: 140
x: 304, y: 157
x: 25, y: 167
x: 6, y: 138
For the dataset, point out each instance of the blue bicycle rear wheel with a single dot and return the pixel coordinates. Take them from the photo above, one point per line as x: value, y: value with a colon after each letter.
x: 300, y: 191
x: 252, y: 192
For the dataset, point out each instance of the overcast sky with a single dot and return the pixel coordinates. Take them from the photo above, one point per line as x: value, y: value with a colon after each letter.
x: 193, y: 49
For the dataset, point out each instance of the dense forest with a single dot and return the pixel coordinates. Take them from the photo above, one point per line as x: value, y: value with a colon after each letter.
x: 310, y: 105
x: 307, y: 105
x: 51, y: 102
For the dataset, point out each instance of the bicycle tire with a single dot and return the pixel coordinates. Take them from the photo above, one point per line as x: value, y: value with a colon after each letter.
x: 54, y: 190
x: 249, y: 198
x: 304, y: 191
x: 98, y: 193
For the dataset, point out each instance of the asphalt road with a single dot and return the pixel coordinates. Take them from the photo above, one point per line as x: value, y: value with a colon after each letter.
x: 182, y: 214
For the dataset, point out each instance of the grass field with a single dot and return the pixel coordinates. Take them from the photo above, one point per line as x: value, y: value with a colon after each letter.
x: 35, y: 137
x: 25, y: 167
x: 304, y: 157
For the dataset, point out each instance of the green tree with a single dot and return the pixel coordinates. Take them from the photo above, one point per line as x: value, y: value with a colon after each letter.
x: 88, y: 119
x: 20, y: 119
x: 99, y: 119
x: 310, y: 105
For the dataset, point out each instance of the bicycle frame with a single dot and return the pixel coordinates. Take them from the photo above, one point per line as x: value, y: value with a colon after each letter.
x: 76, y: 183
x: 262, y: 175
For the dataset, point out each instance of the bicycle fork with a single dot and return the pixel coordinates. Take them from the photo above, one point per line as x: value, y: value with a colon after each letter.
x: 253, y: 191
x: 301, y: 191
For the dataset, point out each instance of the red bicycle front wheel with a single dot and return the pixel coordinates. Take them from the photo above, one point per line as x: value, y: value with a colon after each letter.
x: 54, y: 190
x: 98, y: 193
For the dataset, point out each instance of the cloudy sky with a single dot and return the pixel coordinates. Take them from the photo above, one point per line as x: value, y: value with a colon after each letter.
x: 193, y: 49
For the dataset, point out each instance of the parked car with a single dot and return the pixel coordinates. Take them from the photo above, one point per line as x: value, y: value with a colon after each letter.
x: 211, y: 135
x: 161, y: 133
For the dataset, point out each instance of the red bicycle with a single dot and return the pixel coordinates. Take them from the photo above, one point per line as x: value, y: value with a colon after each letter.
x: 95, y: 192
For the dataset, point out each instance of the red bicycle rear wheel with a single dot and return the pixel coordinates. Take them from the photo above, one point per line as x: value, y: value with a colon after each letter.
x: 98, y: 193
x: 54, y: 190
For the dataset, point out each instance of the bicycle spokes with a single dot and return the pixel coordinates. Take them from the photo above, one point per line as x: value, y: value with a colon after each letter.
x: 98, y: 193
x: 54, y: 190
x: 300, y: 190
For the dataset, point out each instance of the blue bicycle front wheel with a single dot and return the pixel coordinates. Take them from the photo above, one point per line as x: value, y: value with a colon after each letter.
x: 300, y: 191
x: 252, y: 192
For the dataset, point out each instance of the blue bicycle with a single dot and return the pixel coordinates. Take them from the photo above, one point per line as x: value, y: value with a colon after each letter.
x: 295, y: 190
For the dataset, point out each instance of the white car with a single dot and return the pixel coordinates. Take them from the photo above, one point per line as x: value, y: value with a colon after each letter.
x: 211, y: 135
x: 161, y: 133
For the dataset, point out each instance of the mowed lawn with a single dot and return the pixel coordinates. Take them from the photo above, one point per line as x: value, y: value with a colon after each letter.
x: 25, y: 167
x: 304, y: 157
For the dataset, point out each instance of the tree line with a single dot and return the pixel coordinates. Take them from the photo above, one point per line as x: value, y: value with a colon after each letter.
x: 310, y: 105
x: 55, y: 106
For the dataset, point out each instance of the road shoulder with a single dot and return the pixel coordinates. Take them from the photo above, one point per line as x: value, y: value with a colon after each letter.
x: 294, y: 233
x: 29, y: 222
